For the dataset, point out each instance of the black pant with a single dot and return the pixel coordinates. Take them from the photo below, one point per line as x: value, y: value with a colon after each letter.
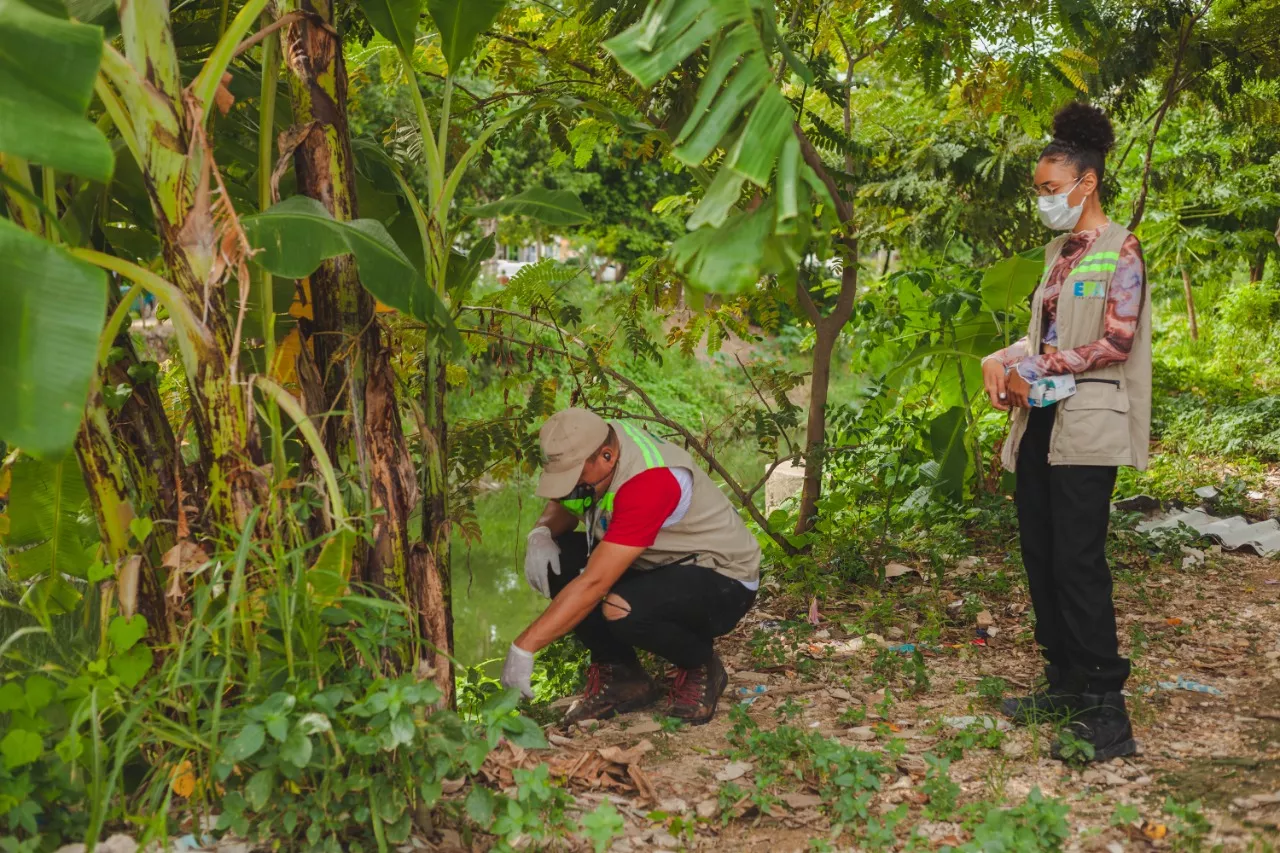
x: 1063, y: 513
x: 675, y: 611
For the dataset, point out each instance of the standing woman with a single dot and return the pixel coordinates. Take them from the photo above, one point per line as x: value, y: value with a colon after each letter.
x: 1090, y: 319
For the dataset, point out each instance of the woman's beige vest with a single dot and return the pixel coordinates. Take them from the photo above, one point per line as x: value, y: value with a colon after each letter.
x: 711, y: 532
x: 1108, y: 420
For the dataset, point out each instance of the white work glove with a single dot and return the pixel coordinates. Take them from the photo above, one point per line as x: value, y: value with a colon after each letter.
x: 541, y: 553
x: 517, y: 671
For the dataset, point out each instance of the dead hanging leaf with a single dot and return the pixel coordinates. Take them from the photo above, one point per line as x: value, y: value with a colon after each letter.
x: 183, y: 780
x: 175, y: 593
x: 1154, y: 831
x: 127, y: 573
x: 186, y: 556
x: 223, y: 97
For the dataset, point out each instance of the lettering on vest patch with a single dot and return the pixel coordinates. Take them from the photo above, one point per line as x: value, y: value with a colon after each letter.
x: 1090, y: 289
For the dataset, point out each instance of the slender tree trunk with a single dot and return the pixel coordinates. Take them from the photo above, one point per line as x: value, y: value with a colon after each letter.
x: 434, y: 594
x: 177, y: 173
x: 1191, y: 303
x: 827, y: 332
x: 351, y: 350
x: 1258, y: 267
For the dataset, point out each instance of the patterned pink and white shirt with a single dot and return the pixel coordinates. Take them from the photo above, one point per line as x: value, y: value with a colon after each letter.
x: 1120, y: 325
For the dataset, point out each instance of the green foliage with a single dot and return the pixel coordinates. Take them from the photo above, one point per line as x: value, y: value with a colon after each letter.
x: 51, y: 533
x: 296, y: 235
x: 553, y: 207
x: 1037, y: 824
x: 54, y: 310
x: 47, y: 70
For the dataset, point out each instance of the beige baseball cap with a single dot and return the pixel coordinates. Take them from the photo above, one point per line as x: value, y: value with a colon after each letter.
x: 568, y: 439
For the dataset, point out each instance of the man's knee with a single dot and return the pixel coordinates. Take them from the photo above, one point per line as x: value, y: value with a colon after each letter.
x: 615, y: 607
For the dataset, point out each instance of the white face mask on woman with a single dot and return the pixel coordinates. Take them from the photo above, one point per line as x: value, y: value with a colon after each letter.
x: 1057, y: 214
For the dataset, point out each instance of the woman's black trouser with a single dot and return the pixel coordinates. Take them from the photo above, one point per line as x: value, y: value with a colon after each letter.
x: 1063, y: 513
x: 673, y: 611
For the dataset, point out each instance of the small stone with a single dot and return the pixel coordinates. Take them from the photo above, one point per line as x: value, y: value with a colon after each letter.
x: 1013, y: 748
x: 707, y: 809
x: 984, y: 619
x: 675, y: 805
x: 1093, y: 777
x: 895, y: 633
x: 796, y: 802
x: 968, y: 564
x: 1114, y: 779
x: 1115, y: 847
x: 733, y: 770
x: 861, y: 733
x: 119, y: 843
x: 1142, y: 780
x: 645, y: 727
x: 1181, y: 746
x: 588, y: 724
x: 841, y: 694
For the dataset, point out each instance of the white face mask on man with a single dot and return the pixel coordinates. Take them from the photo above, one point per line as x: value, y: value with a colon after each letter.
x: 1057, y: 213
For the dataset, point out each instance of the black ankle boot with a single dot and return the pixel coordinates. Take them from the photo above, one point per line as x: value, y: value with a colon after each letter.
x: 1061, y: 698
x: 1103, y: 723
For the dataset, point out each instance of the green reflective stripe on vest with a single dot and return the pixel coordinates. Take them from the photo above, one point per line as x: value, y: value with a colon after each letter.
x: 1094, y: 268
x: 579, y: 506
x: 648, y: 449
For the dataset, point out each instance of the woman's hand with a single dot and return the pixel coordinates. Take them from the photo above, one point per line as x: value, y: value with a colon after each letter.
x: 1019, y: 388
x: 996, y: 381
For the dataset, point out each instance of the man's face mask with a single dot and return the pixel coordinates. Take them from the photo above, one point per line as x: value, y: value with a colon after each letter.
x: 1057, y: 213
x: 586, y: 492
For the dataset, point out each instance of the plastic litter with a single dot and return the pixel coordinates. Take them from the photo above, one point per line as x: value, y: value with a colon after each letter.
x: 967, y: 721
x: 910, y: 648
x: 751, y: 694
x: 188, y: 842
x: 1187, y: 684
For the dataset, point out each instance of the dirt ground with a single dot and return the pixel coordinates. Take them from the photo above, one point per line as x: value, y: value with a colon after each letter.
x: 1216, y: 623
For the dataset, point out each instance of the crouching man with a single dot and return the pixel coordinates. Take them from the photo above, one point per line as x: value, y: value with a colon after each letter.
x: 665, y: 564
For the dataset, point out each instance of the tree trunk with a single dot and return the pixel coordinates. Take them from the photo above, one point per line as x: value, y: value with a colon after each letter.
x: 827, y: 332
x: 351, y: 351
x: 434, y: 595
x: 1258, y: 267
x: 177, y: 174
x: 1191, y: 303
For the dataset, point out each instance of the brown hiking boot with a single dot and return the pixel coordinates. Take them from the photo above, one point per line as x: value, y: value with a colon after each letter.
x: 695, y: 692
x: 612, y: 689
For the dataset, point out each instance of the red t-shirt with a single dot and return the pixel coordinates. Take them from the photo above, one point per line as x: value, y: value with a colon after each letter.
x: 641, y: 507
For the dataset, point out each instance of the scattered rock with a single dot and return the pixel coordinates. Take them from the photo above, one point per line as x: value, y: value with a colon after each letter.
x: 707, y: 809
x: 1114, y: 778
x: 644, y: 727
x: 559, y: 740
x: 1013, y: 748
x: 984, y: 619
x: 897, y: 570
x: 861, y: 733
x: 734, y: 770
x: 796, y: 802
x: 1093, y: 777
x: 1142, y: 780
x: 1257, y: 801
x: 895, y: 633
x: 1115, y: 847
x: 841, y: 694
x: 675, y: 805
x: 968, y: 565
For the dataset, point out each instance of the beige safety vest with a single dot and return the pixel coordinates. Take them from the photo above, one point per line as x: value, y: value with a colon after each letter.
x: 1108, y: 420
x: 711, y: 532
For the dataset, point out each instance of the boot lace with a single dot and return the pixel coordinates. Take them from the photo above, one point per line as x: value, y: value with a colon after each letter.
x: 595, y: 681
x: 687, y: 687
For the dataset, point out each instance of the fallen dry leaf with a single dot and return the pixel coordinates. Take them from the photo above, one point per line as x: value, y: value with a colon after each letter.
x: 184, y: 780
x: 626, y: 756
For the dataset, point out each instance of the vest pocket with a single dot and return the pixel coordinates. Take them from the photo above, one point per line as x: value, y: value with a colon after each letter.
x: 1095, y: 420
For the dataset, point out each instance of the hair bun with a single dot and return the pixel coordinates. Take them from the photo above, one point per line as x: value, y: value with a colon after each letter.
x: 1084, y: 126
